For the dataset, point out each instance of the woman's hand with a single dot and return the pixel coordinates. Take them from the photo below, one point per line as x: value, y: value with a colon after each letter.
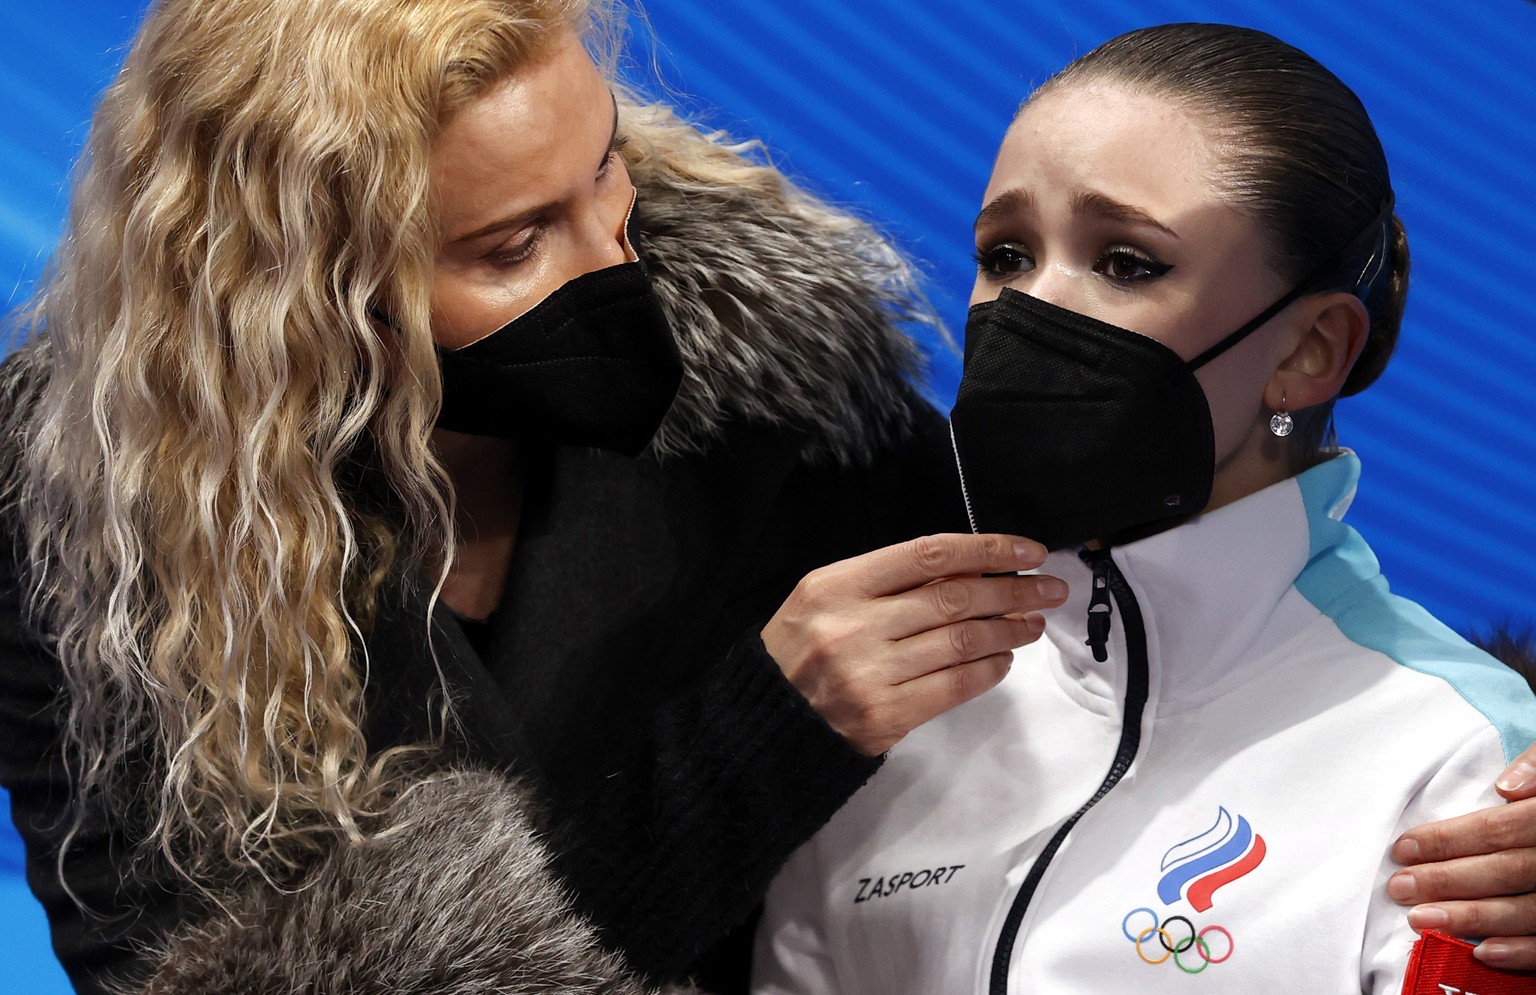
x: 1478, y: 870
x: 881, y: 643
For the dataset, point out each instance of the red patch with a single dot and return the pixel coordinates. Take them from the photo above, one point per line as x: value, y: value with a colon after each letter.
x: 1443, y: 965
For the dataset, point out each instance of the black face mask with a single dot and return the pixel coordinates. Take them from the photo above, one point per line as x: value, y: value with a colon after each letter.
x: 593, y: 364
x: 1067, y: 428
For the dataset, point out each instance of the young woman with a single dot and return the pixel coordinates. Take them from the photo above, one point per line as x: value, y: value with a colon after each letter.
x: 1187, y: 252
x: 406, y: 396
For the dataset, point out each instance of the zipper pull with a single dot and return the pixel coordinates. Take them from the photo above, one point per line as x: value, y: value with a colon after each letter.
x: 1099, y: 608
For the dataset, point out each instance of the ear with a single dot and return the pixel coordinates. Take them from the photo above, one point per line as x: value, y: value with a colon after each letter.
x: 1333, y: 329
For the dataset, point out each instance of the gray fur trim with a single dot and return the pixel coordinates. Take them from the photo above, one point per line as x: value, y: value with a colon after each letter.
x: 786, y: 314
x: 455, y: 896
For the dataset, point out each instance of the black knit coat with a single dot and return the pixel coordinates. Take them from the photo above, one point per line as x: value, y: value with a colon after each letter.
x: 622, y: 680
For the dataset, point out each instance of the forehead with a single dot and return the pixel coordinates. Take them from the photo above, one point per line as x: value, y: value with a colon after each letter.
x: 524, y: 138
x: 1135, y: 147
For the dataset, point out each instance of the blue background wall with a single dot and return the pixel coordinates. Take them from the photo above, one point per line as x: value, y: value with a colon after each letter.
x: 895, y: 110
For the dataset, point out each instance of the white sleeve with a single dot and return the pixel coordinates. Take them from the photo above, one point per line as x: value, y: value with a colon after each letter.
x: 790, y: 955
x: 1463, y: 784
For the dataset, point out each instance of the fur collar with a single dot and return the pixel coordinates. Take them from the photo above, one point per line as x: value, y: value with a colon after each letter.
x: 452, y: 897
x: 786, y: 314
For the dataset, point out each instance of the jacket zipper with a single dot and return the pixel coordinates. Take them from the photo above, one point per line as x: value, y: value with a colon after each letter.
x: 965, y: 494
x: 1099, y: 608
x: 1107, y: 581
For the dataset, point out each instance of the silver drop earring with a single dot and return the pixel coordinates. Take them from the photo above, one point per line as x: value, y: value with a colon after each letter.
x: 1282, y: 423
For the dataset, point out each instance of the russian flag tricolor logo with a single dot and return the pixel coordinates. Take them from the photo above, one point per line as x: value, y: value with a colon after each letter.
x: 1195, y: 868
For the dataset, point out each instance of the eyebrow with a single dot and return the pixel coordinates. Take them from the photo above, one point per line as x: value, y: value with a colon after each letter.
x: 1017, y: 201
x: 1000, y: 207
x: 523, y: 217
x: 1093, y: 202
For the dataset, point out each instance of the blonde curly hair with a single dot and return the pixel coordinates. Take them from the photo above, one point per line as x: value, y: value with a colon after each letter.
x: 216, y: 456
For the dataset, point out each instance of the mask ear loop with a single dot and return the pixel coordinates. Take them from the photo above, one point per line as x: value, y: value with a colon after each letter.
x: 1306, y: 286
x: 630, y: 255
x: 1259, y: 320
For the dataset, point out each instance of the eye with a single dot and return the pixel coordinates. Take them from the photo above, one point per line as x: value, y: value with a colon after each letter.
x: 1004, y: 260
x: 513, y: 254
x: 1124, y: 264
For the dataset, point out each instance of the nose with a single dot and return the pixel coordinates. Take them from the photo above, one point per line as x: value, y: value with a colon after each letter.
x: 1054, y: 284
x: 1055, y: 281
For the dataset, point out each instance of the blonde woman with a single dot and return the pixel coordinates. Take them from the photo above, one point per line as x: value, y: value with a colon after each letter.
x: 353, y: 444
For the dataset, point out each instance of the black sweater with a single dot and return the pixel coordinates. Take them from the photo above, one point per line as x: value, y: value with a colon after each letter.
x: 623, y: 675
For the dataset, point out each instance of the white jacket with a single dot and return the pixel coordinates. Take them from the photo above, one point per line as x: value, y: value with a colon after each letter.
x: 1217, y: 796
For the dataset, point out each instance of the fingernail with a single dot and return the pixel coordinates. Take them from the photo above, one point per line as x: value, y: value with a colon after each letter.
x: 1428, y: 917
x: 1406, y: 851
x: 1033, y: 552
x: 1401, y: 886
x: 1051, y: 589
x: 1036, y: 624
x: 1519, y: 777
x: 1492, y: 951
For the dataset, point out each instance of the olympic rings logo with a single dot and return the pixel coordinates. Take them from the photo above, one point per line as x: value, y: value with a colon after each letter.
x: 1176, y: 950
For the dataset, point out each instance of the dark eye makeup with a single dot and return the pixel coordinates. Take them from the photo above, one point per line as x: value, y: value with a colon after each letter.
x: 1120, y: 264
x: 1003, y: 261
x: 1124, y: 264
